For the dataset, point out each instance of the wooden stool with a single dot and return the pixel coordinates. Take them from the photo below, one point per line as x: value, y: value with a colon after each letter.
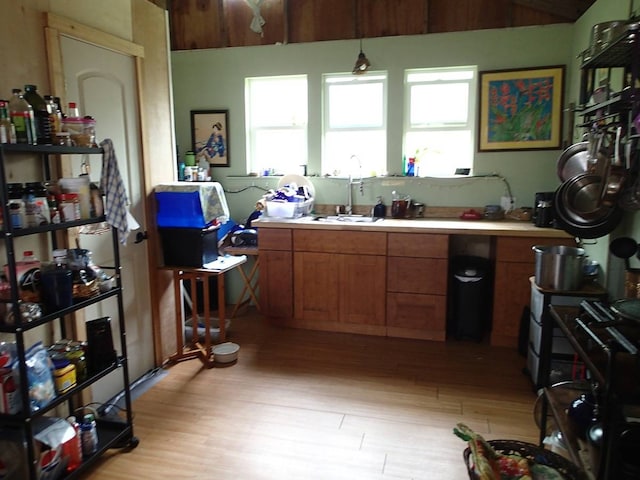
x: 250, y: 279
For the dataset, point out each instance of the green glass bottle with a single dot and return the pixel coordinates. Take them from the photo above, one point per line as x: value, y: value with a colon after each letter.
x: 41, y: 115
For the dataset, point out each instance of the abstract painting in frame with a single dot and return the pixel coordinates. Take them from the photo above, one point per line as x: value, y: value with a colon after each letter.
x: 521, y: 109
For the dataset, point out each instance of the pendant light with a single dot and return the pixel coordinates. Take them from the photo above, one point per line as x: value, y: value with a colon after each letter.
x: 362, y: 63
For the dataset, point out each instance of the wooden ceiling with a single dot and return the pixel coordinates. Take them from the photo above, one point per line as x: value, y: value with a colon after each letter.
x: 198, y: 24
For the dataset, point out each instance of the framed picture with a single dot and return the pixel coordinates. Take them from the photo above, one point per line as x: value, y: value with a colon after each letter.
x: 521, y: 109
x: 210, y: 136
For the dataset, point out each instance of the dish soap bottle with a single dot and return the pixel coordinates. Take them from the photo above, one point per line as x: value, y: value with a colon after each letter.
x: 380, y: 209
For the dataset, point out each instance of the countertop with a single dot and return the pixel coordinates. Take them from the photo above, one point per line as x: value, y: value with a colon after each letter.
x: 451, y: 226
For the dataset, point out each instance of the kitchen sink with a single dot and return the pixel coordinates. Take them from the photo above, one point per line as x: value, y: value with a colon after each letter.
x: 348, y: 219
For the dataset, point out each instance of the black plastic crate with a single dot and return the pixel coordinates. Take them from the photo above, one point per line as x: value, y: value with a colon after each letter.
x: 189, y: 247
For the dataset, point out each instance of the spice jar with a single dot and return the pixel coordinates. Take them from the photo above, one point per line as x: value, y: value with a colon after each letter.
x: 69, y: 206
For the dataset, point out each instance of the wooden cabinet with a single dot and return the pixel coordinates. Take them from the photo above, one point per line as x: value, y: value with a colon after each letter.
x: 276, y: 274
x: 339, y: 281
x: 417, y: 266
x: 515, y: 263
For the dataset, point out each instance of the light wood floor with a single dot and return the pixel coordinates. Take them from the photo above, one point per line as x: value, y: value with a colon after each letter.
x: 317, y: 405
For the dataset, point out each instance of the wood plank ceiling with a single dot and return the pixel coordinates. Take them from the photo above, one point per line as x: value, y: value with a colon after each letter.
x: 199, y: 24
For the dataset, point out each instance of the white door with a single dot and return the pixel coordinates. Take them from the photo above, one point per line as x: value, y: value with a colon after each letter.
x: 103, y: 83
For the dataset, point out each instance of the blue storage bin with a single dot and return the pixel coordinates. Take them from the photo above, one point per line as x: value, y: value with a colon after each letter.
x: 179, y: 209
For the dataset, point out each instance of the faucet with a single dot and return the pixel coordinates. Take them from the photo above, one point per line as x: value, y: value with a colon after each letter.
x: 350, y: 182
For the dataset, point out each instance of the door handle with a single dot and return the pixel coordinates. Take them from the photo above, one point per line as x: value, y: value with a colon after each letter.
x: 141, y: 236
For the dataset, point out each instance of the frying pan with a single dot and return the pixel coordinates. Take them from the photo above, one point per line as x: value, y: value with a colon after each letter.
x: 627, y: 308
x: 581, y: 195
x: 607, y: 219
x: 625, y: 248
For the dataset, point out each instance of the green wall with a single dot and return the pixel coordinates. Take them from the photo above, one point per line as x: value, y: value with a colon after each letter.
x: 214, y: 79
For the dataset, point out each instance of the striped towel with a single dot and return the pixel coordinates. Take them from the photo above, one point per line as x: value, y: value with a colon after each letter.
x: 113, y: 187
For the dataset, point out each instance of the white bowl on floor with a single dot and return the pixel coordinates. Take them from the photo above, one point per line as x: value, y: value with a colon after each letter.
x: 226, y: 352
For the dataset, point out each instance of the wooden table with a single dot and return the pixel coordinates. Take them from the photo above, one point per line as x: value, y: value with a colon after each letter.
x: 218, y: 269
x: 250, y: 279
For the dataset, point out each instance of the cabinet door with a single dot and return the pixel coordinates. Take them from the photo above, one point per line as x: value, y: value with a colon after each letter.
x: 511, y: 294
x: 416, y: 316
x: 362, y: 290
x: 316, y: 288
x: 417, y: 275
x: 276, y: 284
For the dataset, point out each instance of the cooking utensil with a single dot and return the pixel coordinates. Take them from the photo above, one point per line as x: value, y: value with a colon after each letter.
x: 573, y: 161
x: 617, y: 173
x: 582, y: 196
x: 625, y: 248
x: 607, y: 219
x: 628, y: 309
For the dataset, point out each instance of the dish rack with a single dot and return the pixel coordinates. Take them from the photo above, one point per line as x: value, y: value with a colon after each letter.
x: 281, y: 209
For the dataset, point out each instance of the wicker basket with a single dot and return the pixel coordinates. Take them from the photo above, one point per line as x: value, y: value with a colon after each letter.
x: 534, y: 454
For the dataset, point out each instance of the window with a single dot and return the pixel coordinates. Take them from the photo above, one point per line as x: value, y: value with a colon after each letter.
x: 276, y: 123
x: 355, y: 124
x: 440, y: 119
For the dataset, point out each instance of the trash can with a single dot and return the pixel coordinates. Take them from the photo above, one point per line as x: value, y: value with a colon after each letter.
x: 471, y: 297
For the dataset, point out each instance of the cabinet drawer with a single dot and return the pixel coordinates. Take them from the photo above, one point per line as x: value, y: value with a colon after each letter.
x: 326, y: 241
x: 423, y: 245
x: 519, y: 249
x: 416, y: 316
x: 537, y: 302
x: 417, y: 275
x: 274, y: 239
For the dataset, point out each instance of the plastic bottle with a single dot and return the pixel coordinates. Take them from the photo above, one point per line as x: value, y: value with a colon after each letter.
x: 89, y: 435
x: 380, y: 209
x: 7, y: 130
x: 41, y: 115
x: 35, y: 204
x: 22, y: 117
x: 55, y: 115
x: 15, y: 193
x: 74, y: 451
x: 73, y: 111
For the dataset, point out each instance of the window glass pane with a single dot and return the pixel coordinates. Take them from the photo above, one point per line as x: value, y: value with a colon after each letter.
x: 356, y: 105
x: 439, y: 153
x: 278, y: 102
x: 439, y: 103
x: 279, y: 150
x: 355, y: 152
x: 276, y: 123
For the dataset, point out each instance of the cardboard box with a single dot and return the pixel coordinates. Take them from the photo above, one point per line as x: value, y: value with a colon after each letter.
x: 189, y: 247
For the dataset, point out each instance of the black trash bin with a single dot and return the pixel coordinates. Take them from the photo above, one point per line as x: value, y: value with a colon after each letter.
x: 470, y: 309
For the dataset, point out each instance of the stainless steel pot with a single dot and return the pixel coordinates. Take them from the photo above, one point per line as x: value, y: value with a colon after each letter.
x: 558, y: 267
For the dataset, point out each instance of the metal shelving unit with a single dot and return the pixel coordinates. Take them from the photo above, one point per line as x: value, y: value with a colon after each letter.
x: 111, y: 433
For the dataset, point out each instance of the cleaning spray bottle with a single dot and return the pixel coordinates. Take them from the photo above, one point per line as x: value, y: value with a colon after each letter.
x: 380, y: 209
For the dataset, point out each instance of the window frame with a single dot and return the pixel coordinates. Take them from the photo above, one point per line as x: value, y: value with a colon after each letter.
x: 469, y: 125
x: 371, y: 77
x: 251, y: 130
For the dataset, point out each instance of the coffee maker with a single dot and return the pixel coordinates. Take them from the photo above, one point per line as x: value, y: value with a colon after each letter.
x: 543, y: 210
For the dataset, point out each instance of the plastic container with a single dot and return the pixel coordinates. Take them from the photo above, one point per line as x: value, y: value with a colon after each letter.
x: 288, y: 209
x: 179, y: 209
x: 189, y: 247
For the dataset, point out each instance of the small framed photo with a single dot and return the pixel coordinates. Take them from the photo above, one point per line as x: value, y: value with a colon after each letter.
x: 521, y: 109
x: 210, y: 136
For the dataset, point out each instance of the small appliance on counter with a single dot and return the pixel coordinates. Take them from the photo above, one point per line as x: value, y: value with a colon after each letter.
x: 543, y: 211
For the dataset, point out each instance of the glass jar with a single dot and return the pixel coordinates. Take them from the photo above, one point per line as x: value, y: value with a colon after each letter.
x: 77, y: 357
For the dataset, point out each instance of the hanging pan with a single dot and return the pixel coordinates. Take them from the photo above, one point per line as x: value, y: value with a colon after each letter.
x: 597, y: 223
x: 625, y: 248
